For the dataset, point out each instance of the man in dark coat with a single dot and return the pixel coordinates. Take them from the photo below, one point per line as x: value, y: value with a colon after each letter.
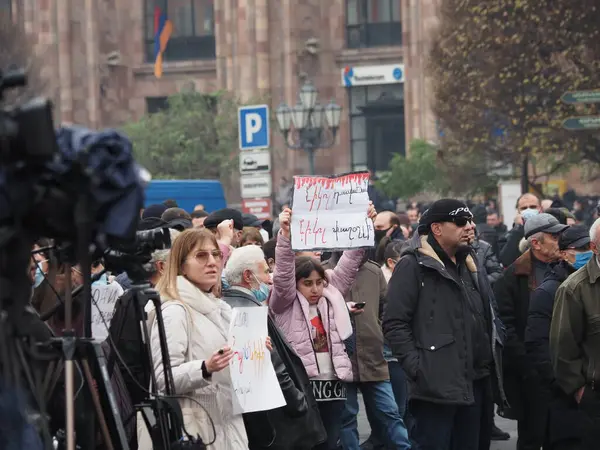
x: 512, y: 292
x: 563, y: 417
x: 296, y: 426
x: 528, y: 205
x: 441, y: 326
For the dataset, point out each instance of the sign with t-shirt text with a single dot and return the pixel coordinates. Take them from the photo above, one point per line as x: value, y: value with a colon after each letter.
x: 253, y: 378
x: 104, y: 300
x: 331, y: 212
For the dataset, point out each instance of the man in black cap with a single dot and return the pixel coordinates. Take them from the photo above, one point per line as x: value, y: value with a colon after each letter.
x: 440, y: 325
x: 216, y: 218
x: 562, y: 429
x: 512, y: 292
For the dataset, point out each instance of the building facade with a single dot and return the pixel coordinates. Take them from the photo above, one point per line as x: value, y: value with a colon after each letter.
x: 367, y: 55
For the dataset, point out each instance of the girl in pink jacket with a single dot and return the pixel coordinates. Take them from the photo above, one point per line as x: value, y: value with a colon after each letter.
x: 307, y: 303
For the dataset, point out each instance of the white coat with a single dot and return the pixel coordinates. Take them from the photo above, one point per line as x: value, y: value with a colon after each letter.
x: 210, y: 319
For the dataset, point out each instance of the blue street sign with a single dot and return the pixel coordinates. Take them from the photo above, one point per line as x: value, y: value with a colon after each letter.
x: 253, y: 126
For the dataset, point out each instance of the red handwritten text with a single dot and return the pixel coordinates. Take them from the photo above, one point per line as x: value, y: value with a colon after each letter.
x: 311, y: 233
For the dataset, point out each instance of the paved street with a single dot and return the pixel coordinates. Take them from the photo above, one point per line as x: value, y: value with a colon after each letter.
x: 509, y: 426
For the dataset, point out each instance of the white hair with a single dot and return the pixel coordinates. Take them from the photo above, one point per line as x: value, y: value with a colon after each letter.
x: 242, y: 259
x: 594, y: 231
x: 163, y: 255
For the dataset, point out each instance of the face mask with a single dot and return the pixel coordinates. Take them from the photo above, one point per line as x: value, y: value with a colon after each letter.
x: 581, y: 259
x: 529, y: 213
x: 262, y: 293
x: 380, y: 234
x: 39, y: 277
x: 102, y: 281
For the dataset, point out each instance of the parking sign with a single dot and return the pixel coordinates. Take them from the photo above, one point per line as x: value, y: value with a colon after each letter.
x: 253, y: 125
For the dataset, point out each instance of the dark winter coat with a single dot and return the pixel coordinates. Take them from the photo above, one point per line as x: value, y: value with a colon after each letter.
x: 297, y: 425
x: 426, y: 324
x: 487, y: 258
x: 508, y: 245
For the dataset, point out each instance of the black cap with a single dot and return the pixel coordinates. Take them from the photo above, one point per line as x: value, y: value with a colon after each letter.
x: 216, y: 217
x: 250, y: 220
x: 575, y: 237
x: 444, y: 210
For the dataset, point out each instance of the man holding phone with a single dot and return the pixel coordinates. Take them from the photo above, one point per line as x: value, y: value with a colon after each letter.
x: 366, y: 302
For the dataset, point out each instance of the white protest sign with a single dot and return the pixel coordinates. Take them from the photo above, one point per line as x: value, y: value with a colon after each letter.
x: 331, y: 212
x: 253, y: 378
x: 105, y: 298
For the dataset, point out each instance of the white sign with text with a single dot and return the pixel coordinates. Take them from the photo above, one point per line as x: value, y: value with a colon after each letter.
x: 331, y: 213
x: 253, y: 377
x: 104, y: 299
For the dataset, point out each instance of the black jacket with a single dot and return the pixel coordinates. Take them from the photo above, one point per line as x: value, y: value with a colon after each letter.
x: 487, y: 258
x: 426, y: 325
x: 298, y: 424
x: 508, y: 245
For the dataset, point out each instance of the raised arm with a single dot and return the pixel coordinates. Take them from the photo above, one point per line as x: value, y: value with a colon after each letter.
x: 284, y: 276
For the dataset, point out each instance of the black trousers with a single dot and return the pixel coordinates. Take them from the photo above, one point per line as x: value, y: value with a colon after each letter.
x: 449, y: 427
x: 590, y: 406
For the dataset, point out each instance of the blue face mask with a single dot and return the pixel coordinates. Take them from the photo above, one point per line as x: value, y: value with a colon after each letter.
x: 529, y: 213
x: 39, y: 277
x: 581, y: 259
x: 262, y: 293
x: 102, y: 281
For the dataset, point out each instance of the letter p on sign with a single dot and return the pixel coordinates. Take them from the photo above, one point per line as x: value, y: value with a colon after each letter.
x: 253, y: 123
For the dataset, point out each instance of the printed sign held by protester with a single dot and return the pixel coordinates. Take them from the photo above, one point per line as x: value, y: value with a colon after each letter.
x: 331, y: 212
x: 253, y: 377
x: 104, y: 299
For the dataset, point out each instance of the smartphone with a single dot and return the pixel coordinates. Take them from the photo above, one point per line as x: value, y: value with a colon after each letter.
x: 359, y: 305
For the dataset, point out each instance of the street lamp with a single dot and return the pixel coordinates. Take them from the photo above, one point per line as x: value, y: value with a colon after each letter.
x: 309, y: 125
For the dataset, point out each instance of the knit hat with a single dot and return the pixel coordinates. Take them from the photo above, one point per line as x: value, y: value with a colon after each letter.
x: 215, y: 218
x: 154, y: 211
x: 444, y: 210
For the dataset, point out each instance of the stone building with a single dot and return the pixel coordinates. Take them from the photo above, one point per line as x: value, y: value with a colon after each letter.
x: 98, y: 58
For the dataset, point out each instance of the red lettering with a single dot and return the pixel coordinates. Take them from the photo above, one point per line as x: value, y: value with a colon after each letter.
x: 310, y: 231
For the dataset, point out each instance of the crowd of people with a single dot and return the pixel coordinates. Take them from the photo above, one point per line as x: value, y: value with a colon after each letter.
x: 447, y: 316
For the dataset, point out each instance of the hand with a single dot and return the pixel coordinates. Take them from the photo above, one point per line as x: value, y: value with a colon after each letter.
x: 579, y: 394
x: 225, y: 230
x: 353, y: 309
x: 285, y: 218
x: 371, y: 212
x: 519, y: 219
x: 219, y: 360
x: 269, y: 344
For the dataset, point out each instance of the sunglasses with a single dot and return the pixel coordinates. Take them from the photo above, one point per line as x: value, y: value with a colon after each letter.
x: 462, y: 221
x: 203, y: 255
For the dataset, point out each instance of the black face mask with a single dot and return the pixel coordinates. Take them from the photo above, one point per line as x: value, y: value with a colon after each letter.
x: 380, y: 234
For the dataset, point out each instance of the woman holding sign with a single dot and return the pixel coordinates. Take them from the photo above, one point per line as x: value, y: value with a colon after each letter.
x: 308, y: 305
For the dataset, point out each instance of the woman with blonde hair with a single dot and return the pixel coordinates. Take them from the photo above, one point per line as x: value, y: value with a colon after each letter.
x: 196, y: 325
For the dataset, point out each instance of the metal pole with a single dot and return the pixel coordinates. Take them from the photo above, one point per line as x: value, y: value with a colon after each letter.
x: 525, y: 174
x: 311, y: 159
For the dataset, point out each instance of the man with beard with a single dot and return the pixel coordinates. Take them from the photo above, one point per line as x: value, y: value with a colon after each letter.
x: 512, y: 292
x: 440, y: 325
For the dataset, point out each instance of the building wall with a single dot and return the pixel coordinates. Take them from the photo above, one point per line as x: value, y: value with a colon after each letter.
x: 260, y: 53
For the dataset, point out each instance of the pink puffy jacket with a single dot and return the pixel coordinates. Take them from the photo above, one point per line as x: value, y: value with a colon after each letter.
x: 290, y: 309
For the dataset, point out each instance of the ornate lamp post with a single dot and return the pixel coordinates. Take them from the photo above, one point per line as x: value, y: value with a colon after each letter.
x: 308, y: 125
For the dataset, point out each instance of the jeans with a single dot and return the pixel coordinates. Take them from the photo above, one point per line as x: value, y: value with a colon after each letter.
x: 383, y: 411
x: 331, y: 416
x: 450, y: 427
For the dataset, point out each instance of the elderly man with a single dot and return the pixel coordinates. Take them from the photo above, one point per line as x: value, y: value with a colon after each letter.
x: 298, y: 424
x: 512, y: 292
x: 440, y: 325
x: 575, y: 341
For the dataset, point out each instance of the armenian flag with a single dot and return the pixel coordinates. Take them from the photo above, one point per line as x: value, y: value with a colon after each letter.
x: 163, y: 28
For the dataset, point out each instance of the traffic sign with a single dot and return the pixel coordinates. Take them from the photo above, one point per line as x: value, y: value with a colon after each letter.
x: 256, y: 186
x: 582, y: 123
x: 253, y: 125
x: 575, y: 97
x: 260, y: 207
x: 255, y: 161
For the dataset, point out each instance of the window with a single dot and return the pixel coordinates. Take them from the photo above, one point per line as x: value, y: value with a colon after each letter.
x: 193, y: 29
x: 373, y: 23
x: 156, y: 104
x: 6, y: 7
x: 376, y: 125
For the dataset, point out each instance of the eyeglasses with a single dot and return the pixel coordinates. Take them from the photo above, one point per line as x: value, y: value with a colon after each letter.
x: 203, y: 255
x: 462, y: 221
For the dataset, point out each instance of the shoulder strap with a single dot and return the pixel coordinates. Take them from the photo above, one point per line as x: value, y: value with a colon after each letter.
x: 190, y: 324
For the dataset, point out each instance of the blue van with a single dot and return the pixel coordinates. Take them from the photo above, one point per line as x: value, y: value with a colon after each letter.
x: 187, y: 193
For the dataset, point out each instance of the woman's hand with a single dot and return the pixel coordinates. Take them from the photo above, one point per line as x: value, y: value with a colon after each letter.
x: 285, y: 218
x: 371, y: 212
x: 219, y: 360
x: 269, y: 344
x: 225, y: 230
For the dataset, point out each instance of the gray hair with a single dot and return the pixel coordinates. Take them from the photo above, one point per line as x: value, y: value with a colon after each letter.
x: 242, y: 259
x: 539, y: 236
x: 163, y: 255
x: 594, y: 231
